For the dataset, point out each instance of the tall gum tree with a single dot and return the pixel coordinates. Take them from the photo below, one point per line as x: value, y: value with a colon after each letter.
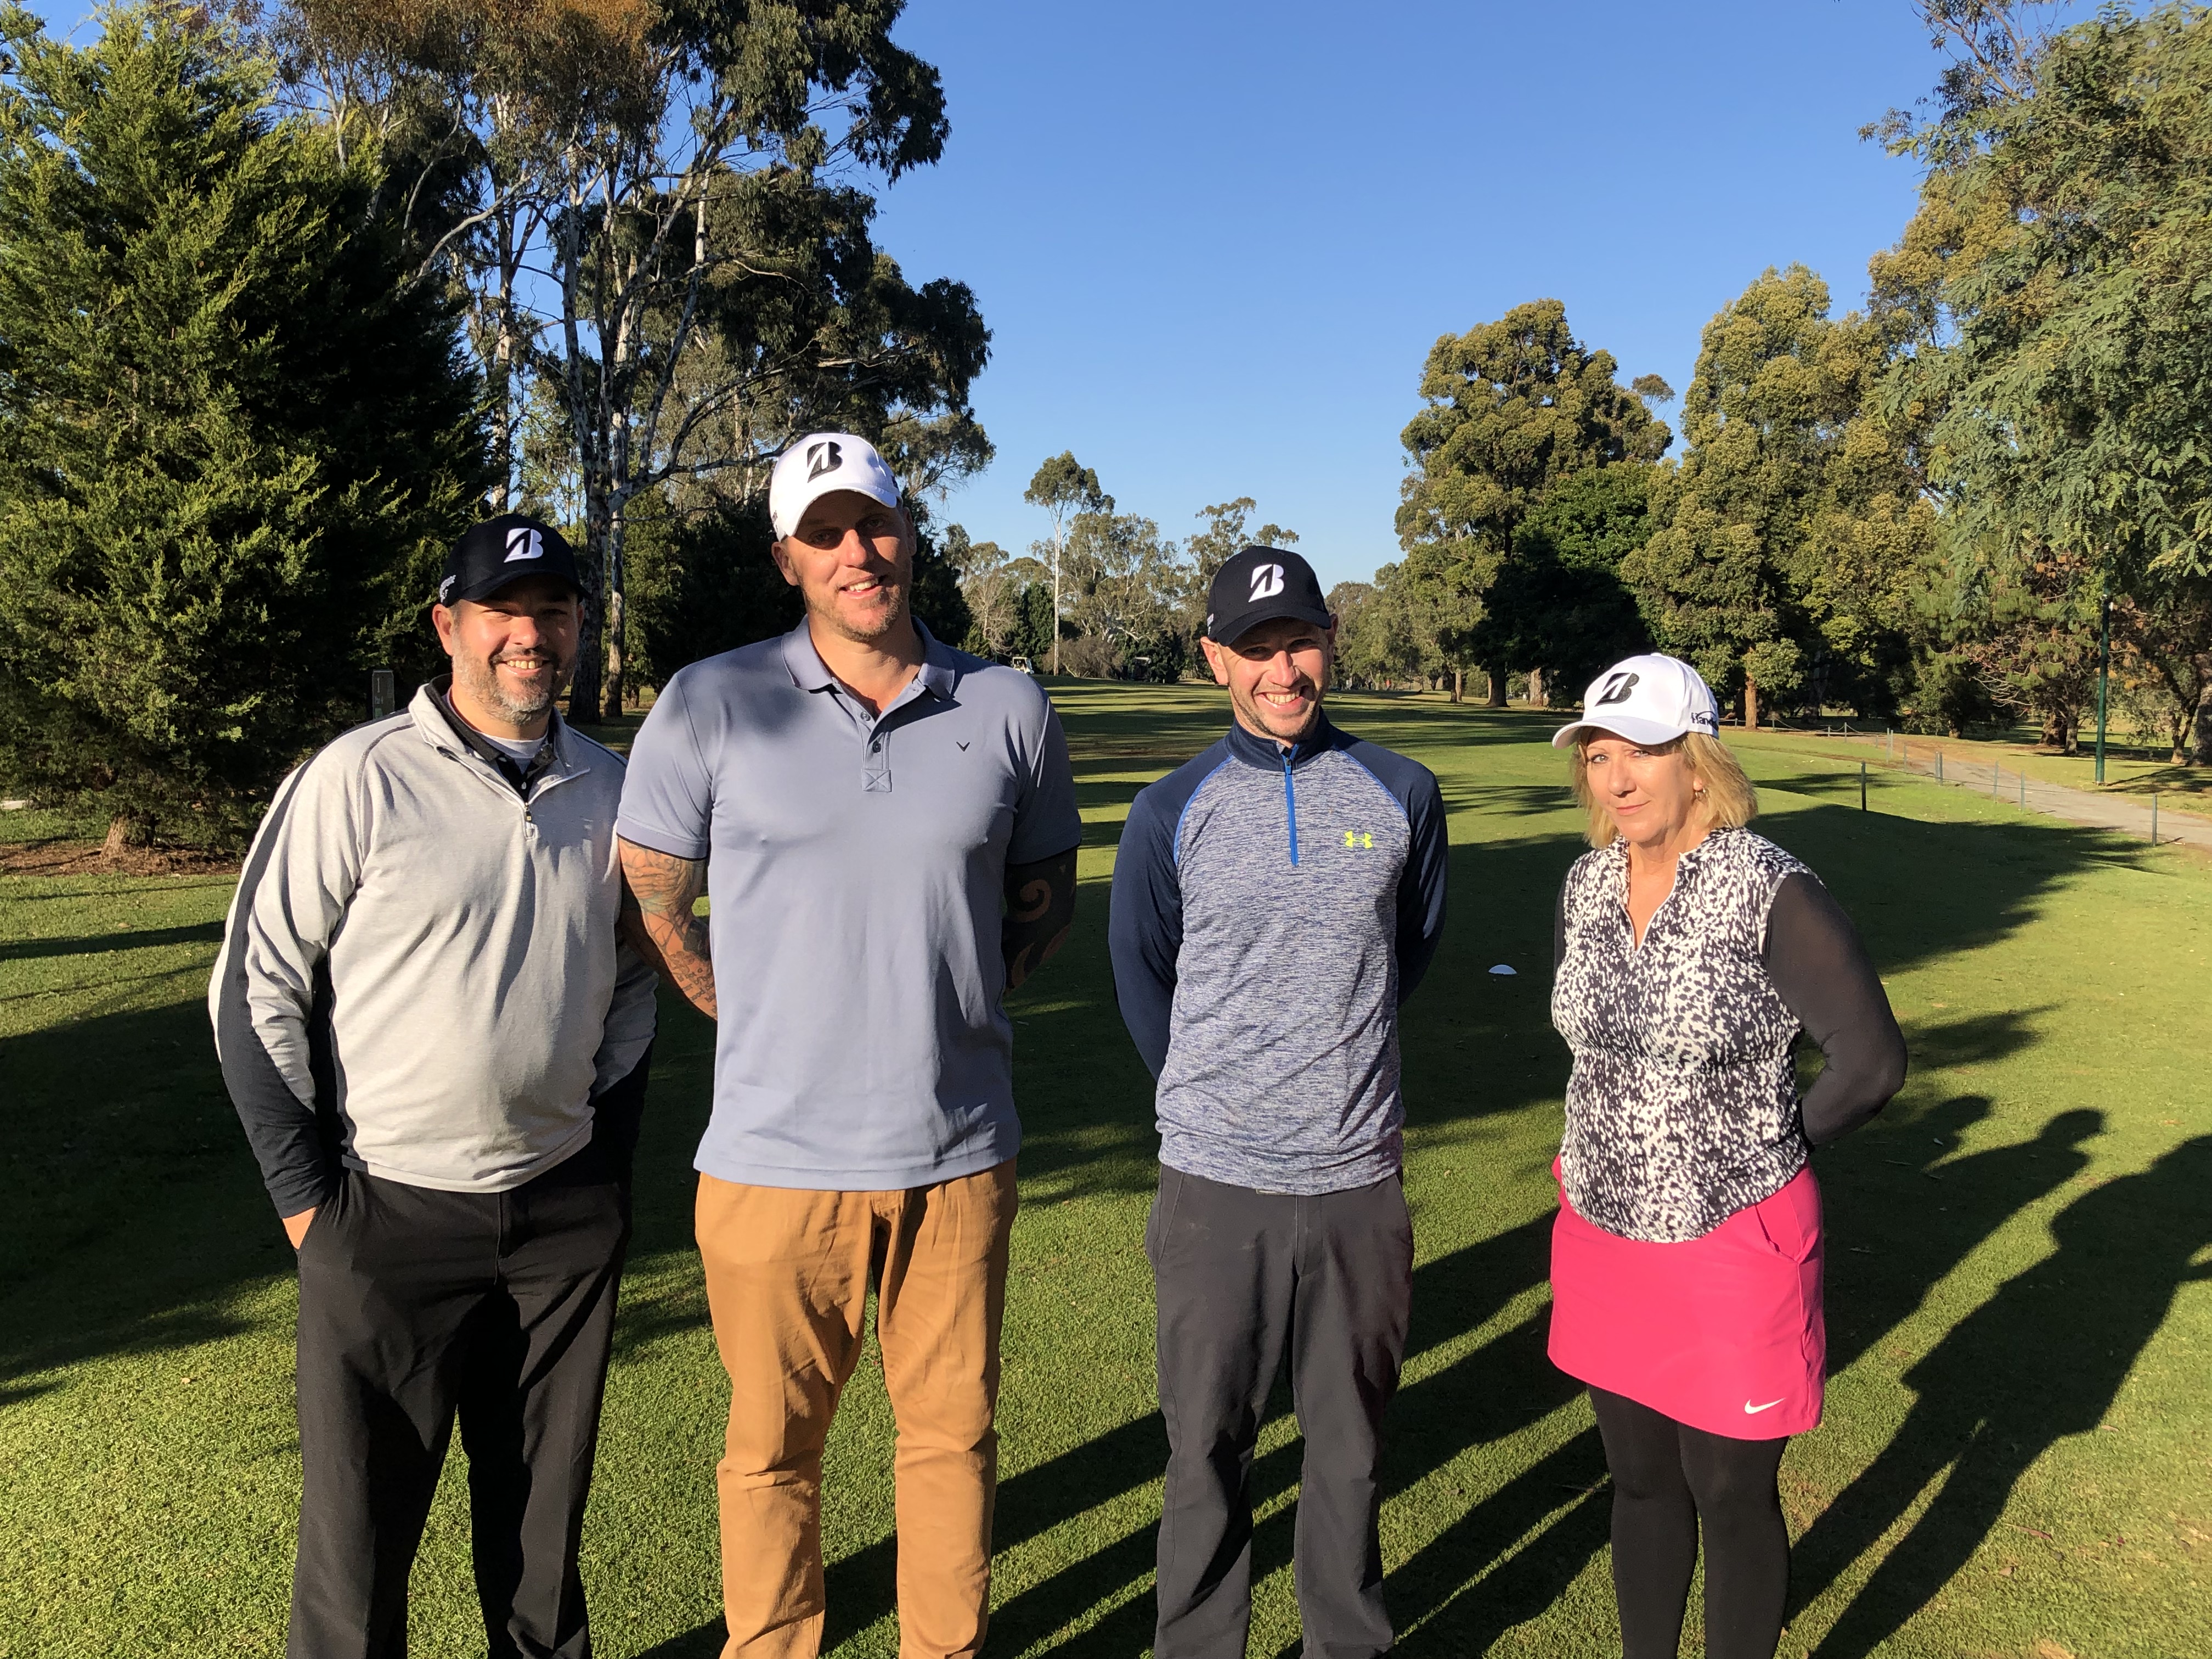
x: 1512, y: 408
x: 627, y: 166
x: 2058, y: 273
x: 1789, y: 516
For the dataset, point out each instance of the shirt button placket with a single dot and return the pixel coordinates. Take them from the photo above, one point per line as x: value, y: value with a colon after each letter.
x: 875, y: 771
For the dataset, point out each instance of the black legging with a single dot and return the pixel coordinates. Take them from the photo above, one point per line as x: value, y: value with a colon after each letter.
x: 1668, y: 1479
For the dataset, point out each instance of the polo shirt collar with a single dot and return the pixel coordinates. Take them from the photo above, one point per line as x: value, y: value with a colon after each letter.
x: 1267, y: 753
x: 936, y: 675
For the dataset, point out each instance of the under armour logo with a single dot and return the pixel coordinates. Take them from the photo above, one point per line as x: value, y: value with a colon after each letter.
x: 1266, y: 581
x: 823, y: 458
x: 524, y: 544
x: 1616, y: 690
x: 1360, y: 838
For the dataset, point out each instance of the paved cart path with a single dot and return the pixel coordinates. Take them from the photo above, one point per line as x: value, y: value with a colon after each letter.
x: 2128, y: 814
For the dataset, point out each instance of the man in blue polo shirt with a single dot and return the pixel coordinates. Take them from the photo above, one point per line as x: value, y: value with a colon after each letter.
x: 1276, y: 900
x: 886, y: 829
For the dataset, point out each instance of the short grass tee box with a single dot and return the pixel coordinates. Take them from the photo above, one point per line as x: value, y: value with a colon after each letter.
x: 855, y: 867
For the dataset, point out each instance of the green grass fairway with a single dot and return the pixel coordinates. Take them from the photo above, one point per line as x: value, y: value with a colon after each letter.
x: 2018, y: 1451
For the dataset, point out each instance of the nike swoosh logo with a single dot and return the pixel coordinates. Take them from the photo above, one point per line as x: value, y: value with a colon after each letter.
x: 1750, y: 1410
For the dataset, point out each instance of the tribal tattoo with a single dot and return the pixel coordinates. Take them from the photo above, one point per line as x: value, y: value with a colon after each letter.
x: 660, y: 917
x: 1040, y: 910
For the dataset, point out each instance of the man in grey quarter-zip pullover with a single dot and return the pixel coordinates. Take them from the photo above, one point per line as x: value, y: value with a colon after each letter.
x: 1276, y: 900
x: 438, y: 1047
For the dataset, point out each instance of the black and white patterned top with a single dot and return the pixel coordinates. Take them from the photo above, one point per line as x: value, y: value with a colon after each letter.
x: 1683, y: 1106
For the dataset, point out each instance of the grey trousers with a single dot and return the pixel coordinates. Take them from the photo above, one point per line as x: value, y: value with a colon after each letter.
x: 1244, y: 1278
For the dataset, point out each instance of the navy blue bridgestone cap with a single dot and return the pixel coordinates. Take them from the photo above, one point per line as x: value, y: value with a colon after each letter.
x: 1259, y: 585
x: 490, y: 554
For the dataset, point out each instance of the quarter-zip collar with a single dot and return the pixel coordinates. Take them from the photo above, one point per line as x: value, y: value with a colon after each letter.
x: 1267, y: 753
x: 442, y: 729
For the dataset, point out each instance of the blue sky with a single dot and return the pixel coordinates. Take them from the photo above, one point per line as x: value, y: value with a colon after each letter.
x: 1214, y: 241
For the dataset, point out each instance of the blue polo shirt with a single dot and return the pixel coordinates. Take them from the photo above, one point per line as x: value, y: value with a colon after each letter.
x: 855, y: 865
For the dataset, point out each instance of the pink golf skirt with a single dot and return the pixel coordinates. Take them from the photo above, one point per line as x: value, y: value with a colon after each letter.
x: 1723, y: 1333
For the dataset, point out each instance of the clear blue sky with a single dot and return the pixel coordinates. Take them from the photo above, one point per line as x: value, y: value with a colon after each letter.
x: 1214, y: 240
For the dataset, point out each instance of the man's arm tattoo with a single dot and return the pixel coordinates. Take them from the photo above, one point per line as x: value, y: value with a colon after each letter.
x: 659, y: 893
x: 1040, y: 910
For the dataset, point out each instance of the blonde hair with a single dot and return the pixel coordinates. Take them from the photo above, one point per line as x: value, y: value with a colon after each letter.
x: 1727, y: 802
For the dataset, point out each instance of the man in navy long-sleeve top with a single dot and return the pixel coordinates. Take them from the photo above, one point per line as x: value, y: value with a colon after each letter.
x: 1276, y: 900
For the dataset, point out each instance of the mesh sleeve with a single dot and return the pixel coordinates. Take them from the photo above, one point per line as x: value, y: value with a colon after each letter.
x: 1821, y: 971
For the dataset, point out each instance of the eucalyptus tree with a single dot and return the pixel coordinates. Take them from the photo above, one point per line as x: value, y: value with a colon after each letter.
x: 1512, y: 408
x: 1063, y: 487
x: 656, y: 217
x: 2057, y: 276
x: 1789, y: 534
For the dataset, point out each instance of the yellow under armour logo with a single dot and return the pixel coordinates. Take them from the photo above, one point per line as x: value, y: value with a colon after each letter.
x: 1354, y: 838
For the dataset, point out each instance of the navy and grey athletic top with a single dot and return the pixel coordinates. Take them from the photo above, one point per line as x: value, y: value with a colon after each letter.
x: 1272, y: 910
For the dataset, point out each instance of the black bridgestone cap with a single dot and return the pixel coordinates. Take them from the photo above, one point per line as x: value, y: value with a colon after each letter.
x: 490, y: 554
x: 1259, y: 585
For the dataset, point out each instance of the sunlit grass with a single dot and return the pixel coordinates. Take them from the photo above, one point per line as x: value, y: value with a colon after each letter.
x: 2019, y: 1323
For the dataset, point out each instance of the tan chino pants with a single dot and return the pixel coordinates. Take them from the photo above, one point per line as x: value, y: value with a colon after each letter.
x: 787, y: 1277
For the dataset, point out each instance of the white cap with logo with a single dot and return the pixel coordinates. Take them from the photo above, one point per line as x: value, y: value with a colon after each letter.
x: 816, y: 465
x: 1648, y: 700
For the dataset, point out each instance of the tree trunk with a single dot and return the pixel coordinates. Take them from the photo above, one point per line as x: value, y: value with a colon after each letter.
x: 614, y: 680
x: 127, y: 832
x: 1750, y: 703
x: 1459, y: 685
x: 1496, y: 688
x: 2204, y: 731
x: 584, y: 690
x: 1536, y: 689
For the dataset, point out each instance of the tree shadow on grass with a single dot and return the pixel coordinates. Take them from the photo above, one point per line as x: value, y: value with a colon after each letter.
x: 2042, y: 1360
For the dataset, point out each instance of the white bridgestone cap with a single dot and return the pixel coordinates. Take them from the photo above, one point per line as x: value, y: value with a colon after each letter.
x: 1650, y: 699
x: 820, y: 464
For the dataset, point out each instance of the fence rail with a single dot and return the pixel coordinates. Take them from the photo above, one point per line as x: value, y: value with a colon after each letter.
x: 1930, y: 757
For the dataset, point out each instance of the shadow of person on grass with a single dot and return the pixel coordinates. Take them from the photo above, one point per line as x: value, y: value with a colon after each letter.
x: 2040, y: 1360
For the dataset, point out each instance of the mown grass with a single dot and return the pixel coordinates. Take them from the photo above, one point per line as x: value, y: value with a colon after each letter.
x: 2015, y: 1456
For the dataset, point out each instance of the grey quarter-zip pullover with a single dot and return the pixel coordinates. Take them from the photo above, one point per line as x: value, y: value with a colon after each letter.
x: 421, y: 977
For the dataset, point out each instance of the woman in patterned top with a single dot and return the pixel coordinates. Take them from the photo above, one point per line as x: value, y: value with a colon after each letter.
x: 1685, y: 1259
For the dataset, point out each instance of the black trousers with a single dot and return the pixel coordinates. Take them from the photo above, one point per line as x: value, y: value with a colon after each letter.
x: 417, y: 1306
x: 1244, y: 1278
x: 1670, y: 1482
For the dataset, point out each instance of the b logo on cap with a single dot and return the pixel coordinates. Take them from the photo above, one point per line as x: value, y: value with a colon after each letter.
x: 823, y: 458
x: 523, y: 545
x: 1616, y: 690
x: 1266, y: 581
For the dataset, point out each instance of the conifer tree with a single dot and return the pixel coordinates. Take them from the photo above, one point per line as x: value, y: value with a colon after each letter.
x: 231, y: 445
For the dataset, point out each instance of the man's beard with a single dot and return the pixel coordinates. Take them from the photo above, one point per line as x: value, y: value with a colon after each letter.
x: 884, y: 620
x: 1249, y: 704
x: 484, y: 683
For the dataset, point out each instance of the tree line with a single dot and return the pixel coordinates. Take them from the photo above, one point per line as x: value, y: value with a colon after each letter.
x: 289, y: 295
x: 1948, y: 508
x: 1944, y: 509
